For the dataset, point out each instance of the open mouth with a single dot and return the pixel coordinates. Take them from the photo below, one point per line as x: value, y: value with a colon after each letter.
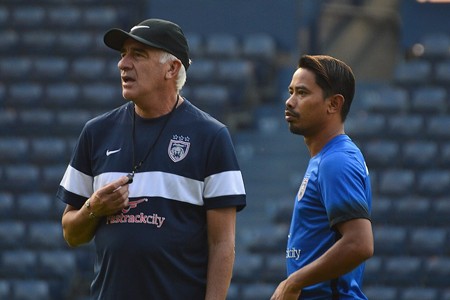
x: 127, y: 79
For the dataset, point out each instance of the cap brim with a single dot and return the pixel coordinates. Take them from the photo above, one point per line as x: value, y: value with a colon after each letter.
x: 115, y: 38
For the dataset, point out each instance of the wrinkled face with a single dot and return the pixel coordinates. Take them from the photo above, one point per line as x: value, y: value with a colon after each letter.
x: 140, y: 70
x: 306, y: 108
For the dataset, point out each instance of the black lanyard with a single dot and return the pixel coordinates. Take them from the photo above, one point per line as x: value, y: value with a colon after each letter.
x: 150, y: 149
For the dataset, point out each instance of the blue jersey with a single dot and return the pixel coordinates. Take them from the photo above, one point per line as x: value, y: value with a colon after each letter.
x: 156, y: 248
x: 335, y: 188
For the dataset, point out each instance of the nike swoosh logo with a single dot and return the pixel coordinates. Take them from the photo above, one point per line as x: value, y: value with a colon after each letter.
x: 109, y: 152
x: 139, y: 26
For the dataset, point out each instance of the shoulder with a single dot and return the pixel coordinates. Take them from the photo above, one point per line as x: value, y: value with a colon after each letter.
x: 197, y: 117
x: 106, y: 119
x: 340, y: 155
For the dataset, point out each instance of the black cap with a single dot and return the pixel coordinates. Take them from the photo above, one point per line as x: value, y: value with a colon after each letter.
x: 156, y: 33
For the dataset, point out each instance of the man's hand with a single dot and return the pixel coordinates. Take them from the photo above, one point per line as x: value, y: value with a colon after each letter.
x: 284, y: 293
x: 110, y: 199
x: 78, y: 225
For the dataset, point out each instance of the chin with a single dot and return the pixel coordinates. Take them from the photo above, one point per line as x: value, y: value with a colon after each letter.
x: 295, y: 130
x: 127, y: 96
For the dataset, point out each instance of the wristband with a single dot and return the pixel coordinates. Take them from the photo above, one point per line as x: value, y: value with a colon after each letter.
x: 88, y: 206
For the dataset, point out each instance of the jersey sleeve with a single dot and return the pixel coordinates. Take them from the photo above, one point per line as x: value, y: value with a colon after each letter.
x: 224, y: 186
x: 345, y: 187
x: 77, y: 183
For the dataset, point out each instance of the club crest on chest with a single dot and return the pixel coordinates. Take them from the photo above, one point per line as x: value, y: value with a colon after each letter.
x: 302, y: 189
x: 178, y: 147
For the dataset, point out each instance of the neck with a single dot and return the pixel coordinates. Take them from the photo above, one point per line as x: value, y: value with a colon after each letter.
x: 155, y: 110
x: 316, y: 143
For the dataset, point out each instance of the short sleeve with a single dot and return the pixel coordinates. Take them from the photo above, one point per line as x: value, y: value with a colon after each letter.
x: 343, y: 182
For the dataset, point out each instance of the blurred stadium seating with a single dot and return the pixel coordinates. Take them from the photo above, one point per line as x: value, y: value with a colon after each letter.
x: 56, y: 74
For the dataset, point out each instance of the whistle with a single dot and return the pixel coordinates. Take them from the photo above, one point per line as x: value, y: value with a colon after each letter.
x: 130, y: 178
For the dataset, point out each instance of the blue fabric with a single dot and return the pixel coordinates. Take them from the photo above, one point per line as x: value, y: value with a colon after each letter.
x: 335, y: 188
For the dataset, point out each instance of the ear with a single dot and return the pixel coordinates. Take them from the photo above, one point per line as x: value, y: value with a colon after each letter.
x: 335, y: 103
x: 174, y: 67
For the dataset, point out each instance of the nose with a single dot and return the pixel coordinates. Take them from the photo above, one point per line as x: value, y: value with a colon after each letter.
x: 124, y: 63
x: 290, y: 102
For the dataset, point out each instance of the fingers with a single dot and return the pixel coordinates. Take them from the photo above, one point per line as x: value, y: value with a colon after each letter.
x: 114, y: 190
x: 119, y: 189
x: 116, y: 185
x: 111, y: 198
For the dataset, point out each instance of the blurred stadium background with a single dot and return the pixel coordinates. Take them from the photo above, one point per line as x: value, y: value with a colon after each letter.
x: 56, y: 74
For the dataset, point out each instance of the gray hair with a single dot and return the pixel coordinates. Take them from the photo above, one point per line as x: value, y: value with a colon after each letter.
x: 181, y: 79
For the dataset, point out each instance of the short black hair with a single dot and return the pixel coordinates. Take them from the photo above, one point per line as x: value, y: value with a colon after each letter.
x: 333, y: 76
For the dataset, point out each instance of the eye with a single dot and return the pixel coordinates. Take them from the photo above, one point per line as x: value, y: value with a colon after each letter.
x: 138, y: 53
x: 302, y: 92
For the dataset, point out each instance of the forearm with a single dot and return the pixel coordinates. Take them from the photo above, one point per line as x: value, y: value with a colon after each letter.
x: 78, y: 227
x: 336, y: 262
x: 355, y: 246
x: 220, y: 268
